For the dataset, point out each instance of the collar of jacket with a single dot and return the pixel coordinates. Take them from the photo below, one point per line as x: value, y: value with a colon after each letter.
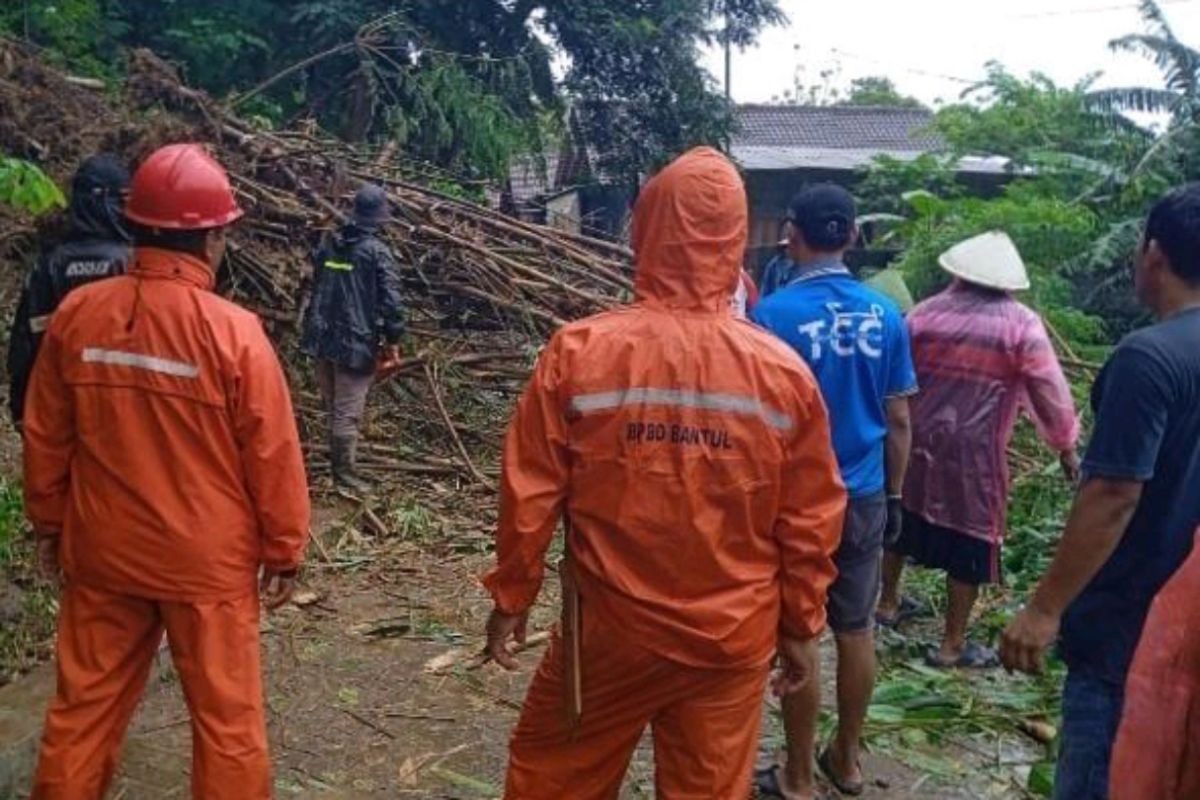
x: 818, y: 269
x: 151, y: 262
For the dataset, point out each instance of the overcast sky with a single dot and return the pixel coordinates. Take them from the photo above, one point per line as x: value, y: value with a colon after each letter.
x: 933, y: 49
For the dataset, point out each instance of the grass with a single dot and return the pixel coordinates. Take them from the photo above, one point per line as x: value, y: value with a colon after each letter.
x: 12, y: 524
x: 962, y: 726
x: 411, y: 520
x: 30, y: 604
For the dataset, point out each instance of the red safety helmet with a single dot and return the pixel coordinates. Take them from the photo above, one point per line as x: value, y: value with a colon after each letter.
x: 181, y: 187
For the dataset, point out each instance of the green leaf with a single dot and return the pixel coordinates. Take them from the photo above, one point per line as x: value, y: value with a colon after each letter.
x: 473, y: 785
x: 25, y: 187
x: 1041, y: 779
x: 879, y: 712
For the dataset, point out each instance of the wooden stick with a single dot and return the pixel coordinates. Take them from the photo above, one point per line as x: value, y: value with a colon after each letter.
x: 437, y: 399
x: 367, y: 722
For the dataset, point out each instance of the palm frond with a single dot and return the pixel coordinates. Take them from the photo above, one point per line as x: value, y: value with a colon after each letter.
x: 1153, y: 14
x: 1111, y: 250
x: 1134, y: 98
x: 1166, y: 145
x: 1049, y: 161
x: 1178, y: 63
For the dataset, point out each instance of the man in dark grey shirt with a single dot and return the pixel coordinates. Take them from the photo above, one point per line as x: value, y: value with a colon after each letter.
x: 1132, y: 523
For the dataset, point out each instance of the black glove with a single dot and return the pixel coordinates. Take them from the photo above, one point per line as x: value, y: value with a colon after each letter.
x: 895, y: 520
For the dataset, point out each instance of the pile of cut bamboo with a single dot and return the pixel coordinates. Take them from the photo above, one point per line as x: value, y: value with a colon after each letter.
x: 483, y: 290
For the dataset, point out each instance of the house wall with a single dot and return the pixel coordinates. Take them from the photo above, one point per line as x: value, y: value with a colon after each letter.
x: 564, y: 212
x: 769, y: 193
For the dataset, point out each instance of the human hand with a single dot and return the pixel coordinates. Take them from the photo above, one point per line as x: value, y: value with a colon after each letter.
x: 501, y: 628
x: 895, y: 520
x: 1069, y: 461
x: 1029, y: 635
x: 390, y: 360
x: 799, y: 660
x: 277, y: 587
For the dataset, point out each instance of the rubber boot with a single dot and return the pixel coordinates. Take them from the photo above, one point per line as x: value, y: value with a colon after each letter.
x: 343, y: 457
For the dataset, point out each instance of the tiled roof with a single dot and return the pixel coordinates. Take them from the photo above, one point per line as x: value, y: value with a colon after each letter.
x: 870, y: 128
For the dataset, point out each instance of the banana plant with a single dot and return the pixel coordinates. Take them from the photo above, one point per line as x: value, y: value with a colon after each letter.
x: 26, y: 188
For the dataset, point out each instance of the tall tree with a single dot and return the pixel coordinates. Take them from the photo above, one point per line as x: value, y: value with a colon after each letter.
x: 463, y: 83
x: 877, y: 90
x: 1024, y: 118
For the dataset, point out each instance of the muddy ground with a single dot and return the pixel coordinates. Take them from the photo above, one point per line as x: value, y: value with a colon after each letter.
x: 353, y: 712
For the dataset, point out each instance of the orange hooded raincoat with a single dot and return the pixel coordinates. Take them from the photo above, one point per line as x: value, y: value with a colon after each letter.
x: 160, y: 441
x: 692, y: 454
x: 1157, y: 751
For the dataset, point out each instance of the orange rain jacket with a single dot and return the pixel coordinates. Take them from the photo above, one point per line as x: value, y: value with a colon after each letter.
x: 159, y: 438
x: 1157, y: 750
x: 691, y: 450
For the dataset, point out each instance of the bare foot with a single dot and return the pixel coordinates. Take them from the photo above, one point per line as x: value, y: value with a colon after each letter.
x: 795, y: 788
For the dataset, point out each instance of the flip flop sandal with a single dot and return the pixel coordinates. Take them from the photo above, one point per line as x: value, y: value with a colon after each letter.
x: 767, y: 783
x: 825, y: 764
x: 974, y: 656
x: 910, y: 608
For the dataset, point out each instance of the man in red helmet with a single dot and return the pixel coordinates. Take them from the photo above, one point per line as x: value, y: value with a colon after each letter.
x: 163, y: 473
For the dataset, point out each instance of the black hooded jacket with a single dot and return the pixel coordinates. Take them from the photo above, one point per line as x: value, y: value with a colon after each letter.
x: 356, y: 301
x: 97, y: 247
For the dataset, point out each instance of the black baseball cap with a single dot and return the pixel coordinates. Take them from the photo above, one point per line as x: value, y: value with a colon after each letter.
x: 824, y: 213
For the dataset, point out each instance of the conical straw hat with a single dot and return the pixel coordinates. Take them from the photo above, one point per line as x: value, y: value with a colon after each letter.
x: 990, y: 259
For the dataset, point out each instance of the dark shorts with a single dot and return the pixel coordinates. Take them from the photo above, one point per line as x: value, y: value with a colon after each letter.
x: 854, y: 593
x: 963, y: 557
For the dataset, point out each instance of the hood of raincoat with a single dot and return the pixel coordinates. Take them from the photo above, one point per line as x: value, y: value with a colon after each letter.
x: 689, y: 234
x: 350, y: 234
x: 96, y: 201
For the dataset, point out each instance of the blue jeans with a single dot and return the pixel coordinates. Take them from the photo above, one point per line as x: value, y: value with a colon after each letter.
x: 1091, y: 713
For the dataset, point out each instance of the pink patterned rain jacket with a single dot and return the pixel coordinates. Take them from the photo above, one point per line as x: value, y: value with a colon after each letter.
x: 981, y: 358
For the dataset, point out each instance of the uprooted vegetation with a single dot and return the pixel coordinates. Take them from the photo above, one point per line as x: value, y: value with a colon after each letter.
x: 482, y: 290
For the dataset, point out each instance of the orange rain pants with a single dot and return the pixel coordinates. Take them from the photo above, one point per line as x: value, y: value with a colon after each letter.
x: 1157, y: 752
x: 705, y: 724
x: 161, y: 446
x: 691, y: 452
x: 106, y: 647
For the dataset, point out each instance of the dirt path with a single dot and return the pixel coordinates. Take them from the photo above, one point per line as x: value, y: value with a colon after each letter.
x: 354, y: 714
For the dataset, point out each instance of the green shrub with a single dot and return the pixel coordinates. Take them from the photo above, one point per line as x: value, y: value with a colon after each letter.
x: 25, y: 187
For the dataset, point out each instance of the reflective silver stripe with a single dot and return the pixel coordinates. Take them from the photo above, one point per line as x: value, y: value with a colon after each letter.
x: 39, y: 324
x: 96, y: 355
x: 711, y: 401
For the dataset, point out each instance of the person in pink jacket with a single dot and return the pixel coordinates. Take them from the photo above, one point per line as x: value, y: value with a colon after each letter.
x: 981, y: 359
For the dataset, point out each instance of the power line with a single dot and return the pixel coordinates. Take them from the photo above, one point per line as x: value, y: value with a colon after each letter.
x: 913, y: 70
x: 1074, y: 12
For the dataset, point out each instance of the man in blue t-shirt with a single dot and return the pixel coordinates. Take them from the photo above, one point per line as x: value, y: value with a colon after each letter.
x: 856, y: 343
x: 1132, y: 522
